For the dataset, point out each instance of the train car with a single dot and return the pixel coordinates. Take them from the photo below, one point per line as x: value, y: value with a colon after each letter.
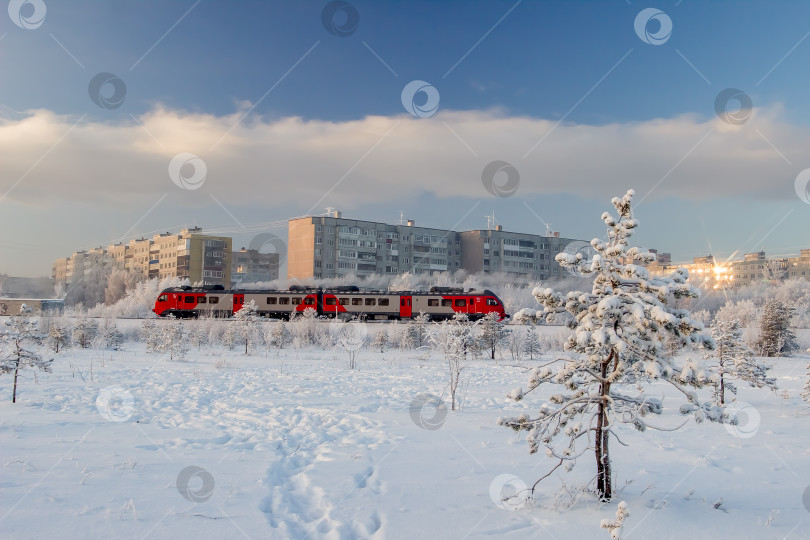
x: 184, y: 302
x: 346, y: 302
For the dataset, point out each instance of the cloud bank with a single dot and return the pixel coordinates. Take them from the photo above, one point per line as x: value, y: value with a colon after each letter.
x: 299, y: 163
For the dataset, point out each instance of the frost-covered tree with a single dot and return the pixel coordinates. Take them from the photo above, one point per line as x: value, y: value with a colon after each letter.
x: 744, y: 311
x: 380, y: 340
x: 174, y: 340
x: 277, y: 335
x: 616, y: 350
x: 243, y: 326
x: 806, y: 392
x: 198, y: 335
x: 351, y: 337
x: 305, y: 328
x: 84, y: 331
x: 736, y: 361
x: 421, y: 322
x: 452, y: 338
x: 775, y: 336
x: 58, y: 336
x: 531, y: 342
x: 111, y: 336
x: 150, y: 334
x: 409, y: 337
x: 18, y: 344
x: 515, y: 343
x: 493, y: 333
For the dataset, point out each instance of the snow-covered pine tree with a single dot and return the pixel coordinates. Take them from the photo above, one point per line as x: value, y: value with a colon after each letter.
x: 380, y: 340
x: 84, y: 331
x: 775, y: 336
x: 110, y: 336
x: 57, y: 335
x: 150, y: 333
x: 735, y: 360
x: 531, y: 342
x: 493, y: 333
x: 18, y: 344
x: 453, y: 337
x: 619, y: 327
x: 243, y: 326
x: 421, y: 322
x: 174, y: 340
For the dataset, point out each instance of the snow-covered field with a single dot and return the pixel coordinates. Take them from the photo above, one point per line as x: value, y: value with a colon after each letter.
x: 292, y: 444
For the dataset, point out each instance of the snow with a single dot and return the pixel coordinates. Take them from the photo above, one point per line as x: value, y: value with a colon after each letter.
x: 299, y: 446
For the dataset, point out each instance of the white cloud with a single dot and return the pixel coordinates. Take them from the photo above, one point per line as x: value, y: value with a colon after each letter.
x: 296, y: 162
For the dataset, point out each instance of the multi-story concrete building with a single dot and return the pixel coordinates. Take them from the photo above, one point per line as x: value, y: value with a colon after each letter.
x: 799, y: 267
x: 330, y: 246
x: 522, y: 255
x: 708, y: 273
x: 190, y: 254
x: 251, y: 266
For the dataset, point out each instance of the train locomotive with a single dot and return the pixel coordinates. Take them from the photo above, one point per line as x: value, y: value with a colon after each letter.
x: 345, y: 302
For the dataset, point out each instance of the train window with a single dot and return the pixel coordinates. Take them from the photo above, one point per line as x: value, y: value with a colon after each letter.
x: 370, y: 301
x: 189, y: 298
x: 272, y: 300
x: 284, y: 300
x: 201, y: 300
x: 330, y: 301
x: 357, y: 301
x: 309, y: 301
x: 296, y: 301
x: 383, y: 302
x: 214, y: 300
x: 492, y: 302
x: 447, y: 303
x: 433, y: 302
x: 343, y: 301
x: 163, y: 297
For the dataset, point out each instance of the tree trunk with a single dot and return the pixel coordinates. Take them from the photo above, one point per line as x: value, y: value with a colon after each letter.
x: 603, y: 471
x: 14, y: 392
x: 722, y: 385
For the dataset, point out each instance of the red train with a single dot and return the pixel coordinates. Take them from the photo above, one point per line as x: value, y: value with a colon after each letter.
x: 344, y: 302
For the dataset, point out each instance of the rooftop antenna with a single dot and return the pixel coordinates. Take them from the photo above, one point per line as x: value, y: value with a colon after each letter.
x: 491, y: 221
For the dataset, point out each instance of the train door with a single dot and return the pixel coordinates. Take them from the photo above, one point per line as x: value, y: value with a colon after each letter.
x: 238, y: 302
x: 405, y: 308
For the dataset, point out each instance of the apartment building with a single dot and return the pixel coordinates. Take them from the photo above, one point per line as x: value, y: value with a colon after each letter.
x: 708, y: 273
x: 520, y: 255
x: 251, y: 266
x: 189, y: 254
x: 331, y: 246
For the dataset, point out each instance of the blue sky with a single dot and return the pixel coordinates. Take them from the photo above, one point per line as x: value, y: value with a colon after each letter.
x: 708, y: 187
